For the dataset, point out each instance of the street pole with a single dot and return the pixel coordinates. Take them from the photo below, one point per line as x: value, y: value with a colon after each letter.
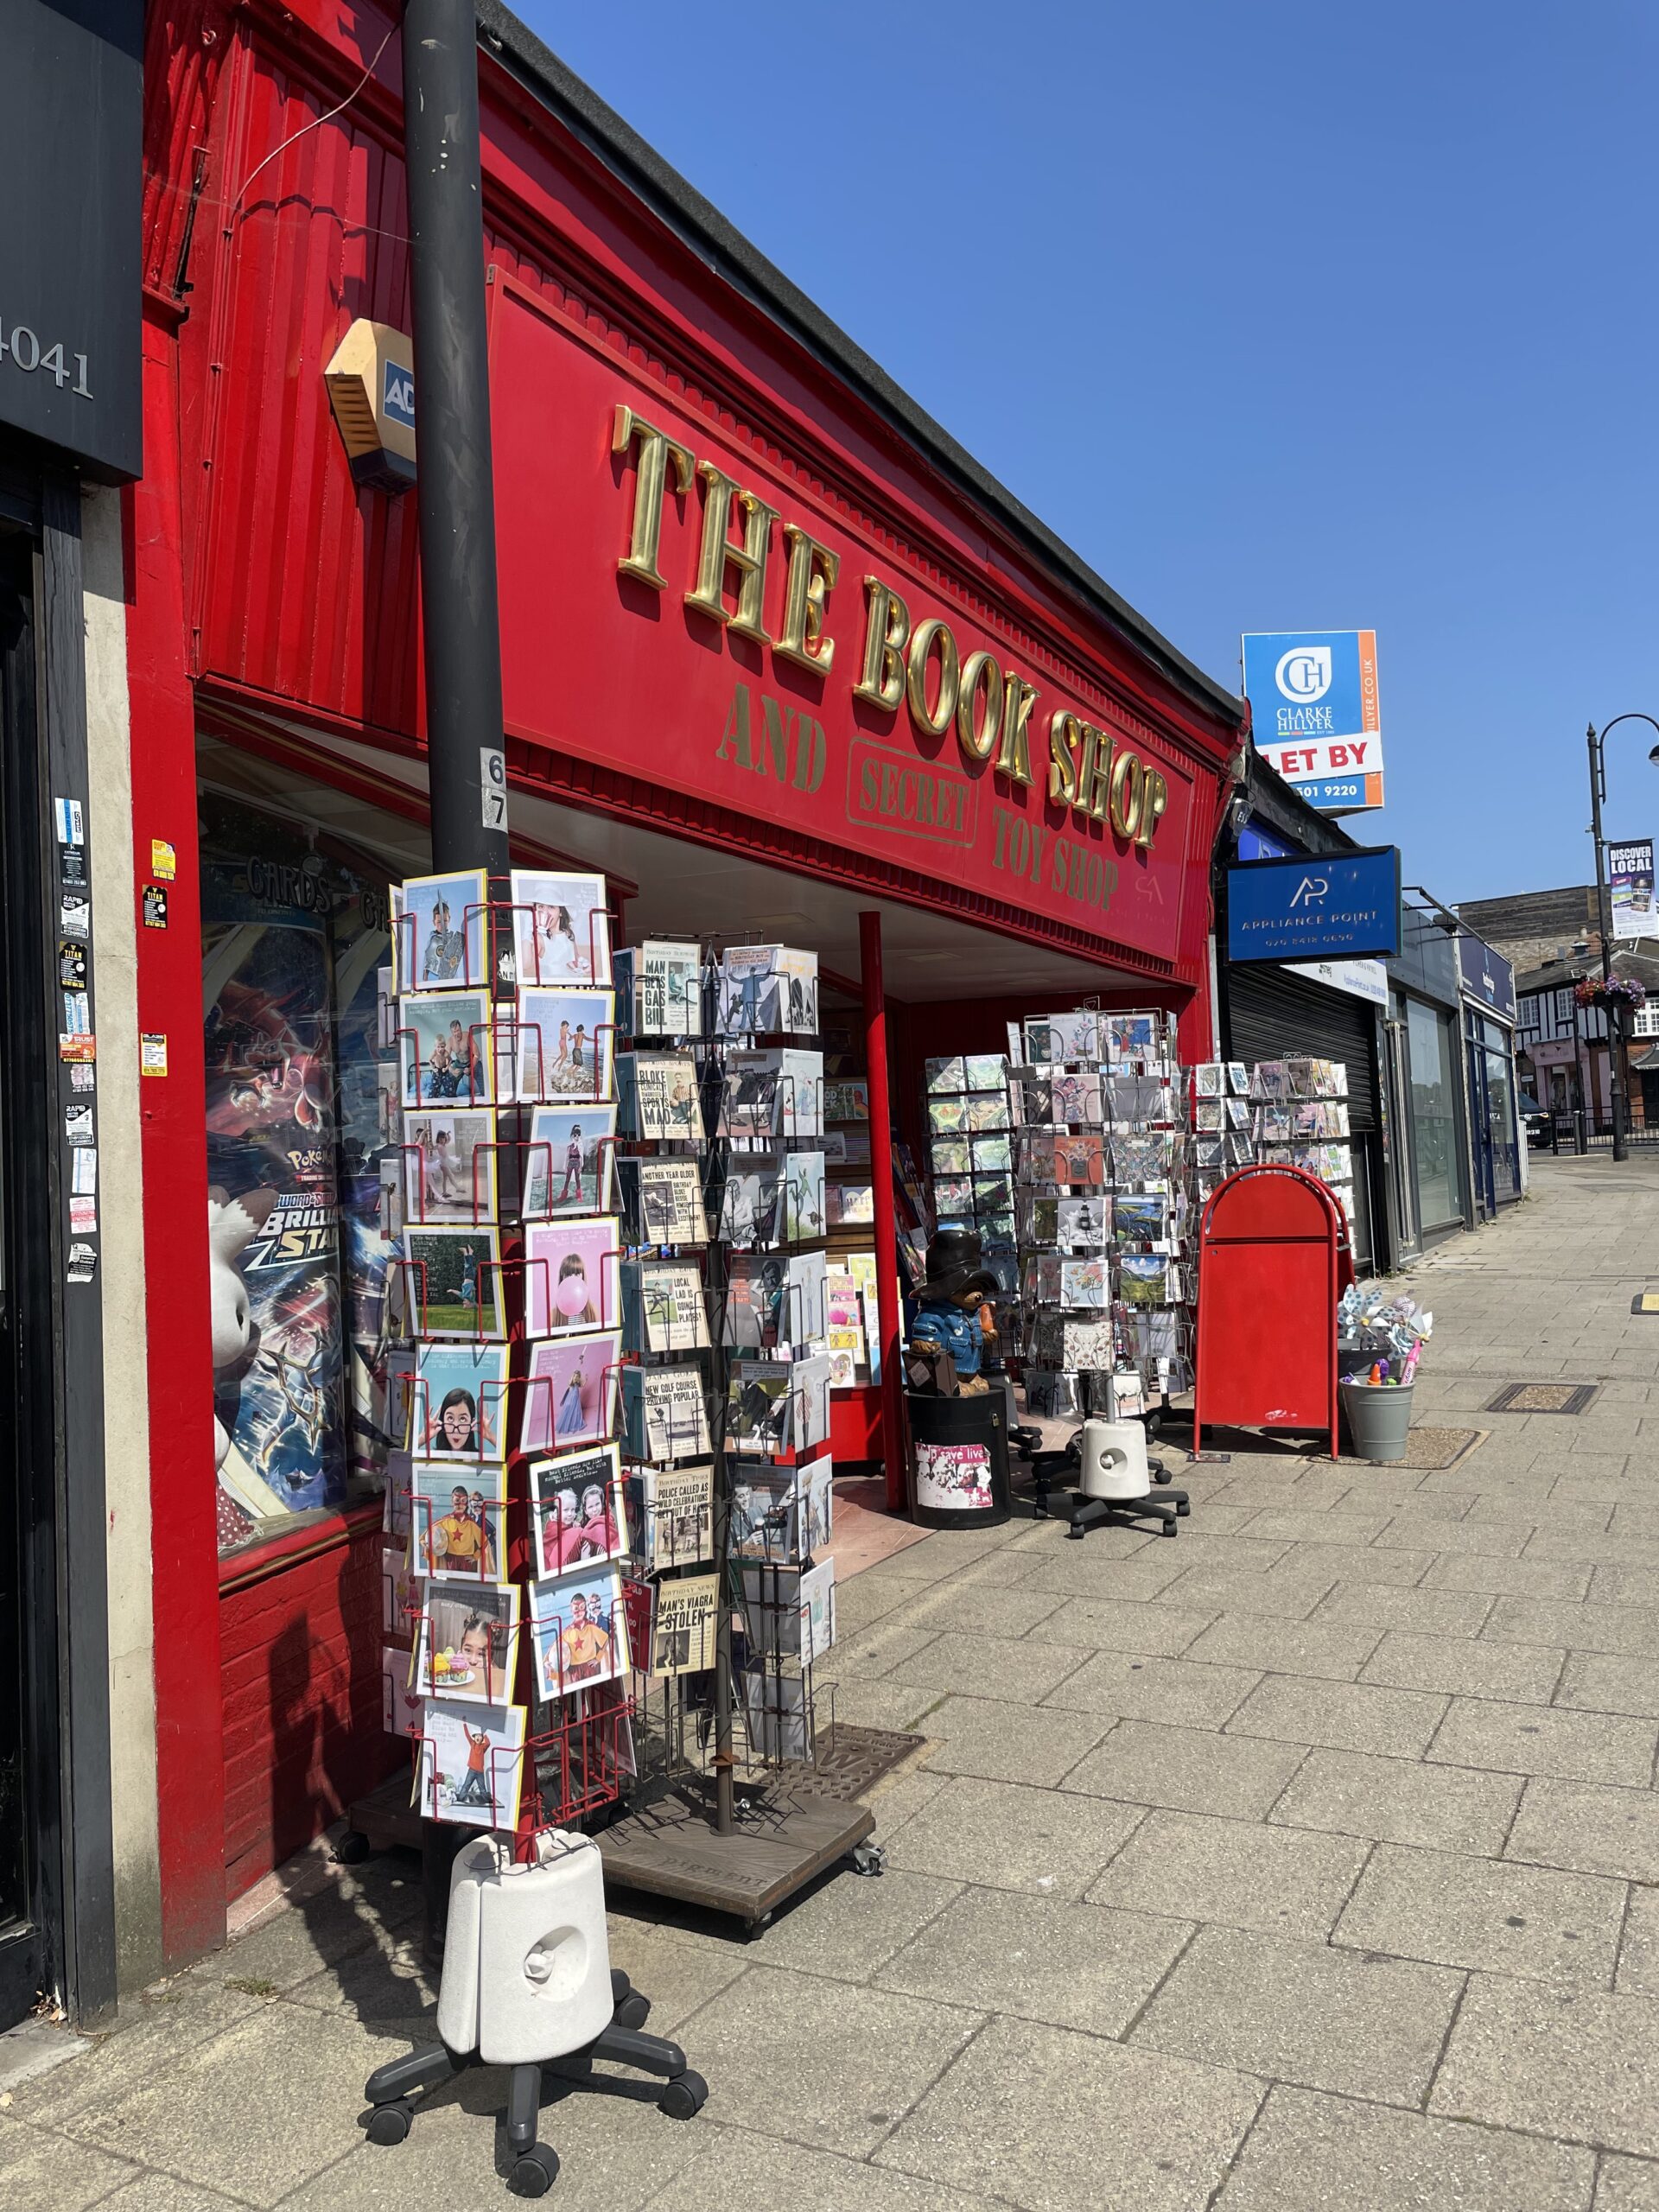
x: 1598, y: 787
x: 1614, y: 1074
x: 460, y: 623
x: 889, y: 1330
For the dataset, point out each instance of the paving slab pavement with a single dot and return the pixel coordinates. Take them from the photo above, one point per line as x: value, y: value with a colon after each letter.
x: 1310, y: 1862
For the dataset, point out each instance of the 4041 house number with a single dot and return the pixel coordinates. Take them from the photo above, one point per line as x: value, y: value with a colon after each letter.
x: 21, y: 348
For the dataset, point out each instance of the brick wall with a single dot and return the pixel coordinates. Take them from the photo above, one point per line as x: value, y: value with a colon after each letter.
x: 1534, y: 926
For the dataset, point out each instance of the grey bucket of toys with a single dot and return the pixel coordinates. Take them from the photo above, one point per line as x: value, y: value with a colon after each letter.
x: 1379, y: 1419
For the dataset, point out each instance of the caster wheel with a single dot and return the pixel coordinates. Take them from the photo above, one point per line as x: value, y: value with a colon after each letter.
x: 1168, y: 1528
x: 683, y: 2097
x: 390, y: 2123
x: 1158, y: 1473
x: 352, y: 1849
x: 634, y: 2012
x: 1181, y: 1512
x: 1076, y: 1534
x: 534, y: 2171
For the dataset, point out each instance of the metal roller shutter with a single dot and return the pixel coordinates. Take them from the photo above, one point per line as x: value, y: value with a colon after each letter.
x: 1272, y: 1015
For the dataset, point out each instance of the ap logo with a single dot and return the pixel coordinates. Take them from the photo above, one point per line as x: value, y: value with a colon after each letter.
x: 1304, y: 673
x: 1311, y: 890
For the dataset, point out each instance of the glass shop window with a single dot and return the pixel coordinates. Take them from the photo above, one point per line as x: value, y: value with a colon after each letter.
x: 1433, y: 1116
x: 295, y: 936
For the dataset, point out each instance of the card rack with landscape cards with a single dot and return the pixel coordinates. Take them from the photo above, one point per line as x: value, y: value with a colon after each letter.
x: 1102, y: 1158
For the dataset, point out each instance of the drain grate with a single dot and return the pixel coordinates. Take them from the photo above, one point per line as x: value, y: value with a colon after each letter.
x: 850, y: 1761
x: 1541, y: 1398
x: 1435, y: 1450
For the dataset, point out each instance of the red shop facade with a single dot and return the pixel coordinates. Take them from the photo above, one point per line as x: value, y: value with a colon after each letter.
x: 777, y: 655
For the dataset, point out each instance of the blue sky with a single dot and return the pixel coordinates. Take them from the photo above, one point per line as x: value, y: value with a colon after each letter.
x: 1282, y: 315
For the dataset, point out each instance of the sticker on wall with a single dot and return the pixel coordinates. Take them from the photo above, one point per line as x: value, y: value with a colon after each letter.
x: 78, y: 1124
x: 72, y: 866
x: 71, y: 964
x: 74, y: 1046
x: 492, y: 785
x: 77, y: 1013
x: 83, y: 1178
x: 155, y: 907
x: 152, y: 1054
x: 83, y: 1217
x: 82, y: 1078
x: 82, y: 1264
x: 72, y: 828
x: 75, y: 914
x: 163, y: 860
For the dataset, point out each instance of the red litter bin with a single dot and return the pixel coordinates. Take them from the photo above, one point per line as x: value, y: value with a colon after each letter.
x: 1273, y: 1258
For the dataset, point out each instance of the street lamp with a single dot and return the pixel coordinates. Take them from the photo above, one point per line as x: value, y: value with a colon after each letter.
x: 1598, y: 792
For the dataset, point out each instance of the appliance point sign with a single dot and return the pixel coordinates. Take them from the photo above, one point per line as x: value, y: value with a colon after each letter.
x: 1338, y: 905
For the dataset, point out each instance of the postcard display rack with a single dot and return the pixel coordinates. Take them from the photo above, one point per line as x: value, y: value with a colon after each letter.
x: 726, y: 1419
x: 1102, y: 1159
x: 971, y: 1155
x: 852, y: 1309
x: 1299, y: 1119
x: 615, y: 1516
x: 725, y: 1391
x: 523, y: 1622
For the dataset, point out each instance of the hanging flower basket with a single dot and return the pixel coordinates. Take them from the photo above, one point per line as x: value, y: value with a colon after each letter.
x: 1621, y: 993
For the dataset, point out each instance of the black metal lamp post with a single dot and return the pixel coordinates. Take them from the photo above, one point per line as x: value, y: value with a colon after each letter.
x: 461, y: 635
x: 1598, y: 792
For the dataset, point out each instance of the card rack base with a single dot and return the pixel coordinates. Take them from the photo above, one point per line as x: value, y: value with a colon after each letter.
x: 786, y: 1838
x: 392, y: 2088
x: 383, y: 1820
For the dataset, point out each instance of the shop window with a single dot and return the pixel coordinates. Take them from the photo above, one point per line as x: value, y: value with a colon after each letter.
x: 1501, y: 1125
x: 1432, y: 1052
x: 293, y: 938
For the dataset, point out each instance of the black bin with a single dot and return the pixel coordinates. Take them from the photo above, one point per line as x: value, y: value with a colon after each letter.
x: 959, y: 1461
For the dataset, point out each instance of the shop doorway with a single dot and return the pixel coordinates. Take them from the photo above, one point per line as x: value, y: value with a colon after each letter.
x: 29, y: 1732
x: 1493, y: 1127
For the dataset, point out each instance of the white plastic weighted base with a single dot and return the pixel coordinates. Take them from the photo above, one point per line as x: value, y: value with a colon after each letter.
x: 1114, y: 1460
x: 526, y: 1963
x: 458, y: 1991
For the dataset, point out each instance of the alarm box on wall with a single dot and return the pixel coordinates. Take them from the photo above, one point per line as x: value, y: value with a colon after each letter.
x: 371, y: 387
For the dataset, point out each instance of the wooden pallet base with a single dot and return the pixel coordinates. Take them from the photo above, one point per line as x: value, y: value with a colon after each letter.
x: 385, y: 1818
x: 794, y: 1824
x: 785, y: 1840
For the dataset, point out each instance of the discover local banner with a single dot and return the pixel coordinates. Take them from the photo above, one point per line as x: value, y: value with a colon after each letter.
x: 1630, y: 886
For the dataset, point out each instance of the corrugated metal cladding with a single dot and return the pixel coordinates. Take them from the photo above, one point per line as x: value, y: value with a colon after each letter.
x: 183, y: 53
x: 301, y: 587
x: 1272, y: 1015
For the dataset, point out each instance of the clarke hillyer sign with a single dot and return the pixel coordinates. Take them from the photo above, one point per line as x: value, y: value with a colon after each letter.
x: 69, y: 185
x: 1334, y: 906
x: 1314, y: 713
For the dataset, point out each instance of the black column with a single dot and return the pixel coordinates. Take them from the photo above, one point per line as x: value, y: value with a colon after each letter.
x: 452, y: 398
x: 459, y: 619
